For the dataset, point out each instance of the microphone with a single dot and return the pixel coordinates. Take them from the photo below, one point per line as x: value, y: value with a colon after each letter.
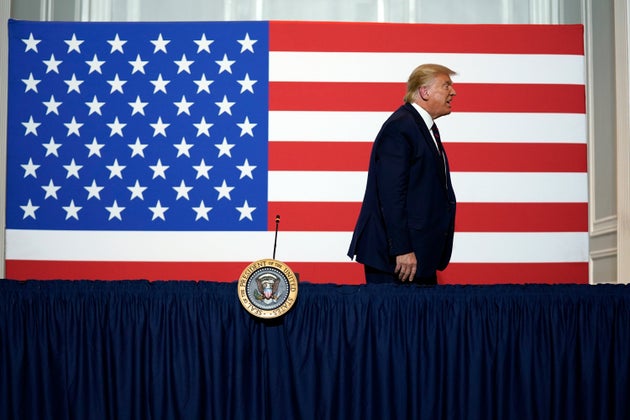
x: 275, y: 240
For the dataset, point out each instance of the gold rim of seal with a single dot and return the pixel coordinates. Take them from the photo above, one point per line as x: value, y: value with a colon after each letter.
x: 279, y: 268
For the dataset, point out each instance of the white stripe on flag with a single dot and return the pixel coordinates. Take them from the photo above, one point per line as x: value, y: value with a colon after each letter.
x: 292, y: 246
x: 458, y: 127
x: 471, y: 68
x: 474, y: 187
x: 520, y: 247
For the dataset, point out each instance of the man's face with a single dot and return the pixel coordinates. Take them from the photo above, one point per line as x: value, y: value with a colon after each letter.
x: 438, y: 95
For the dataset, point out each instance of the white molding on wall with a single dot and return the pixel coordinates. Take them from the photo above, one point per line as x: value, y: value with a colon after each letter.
x: 411, y: 10
x: 588, y: 47
x: 380, y: 11
x: 622, y: 71
x: 544, y: 11
x: 604, y: 226
x: 46, y: 8
x: 93, y: 10
x: 600, y: 255
x: 603, y: 253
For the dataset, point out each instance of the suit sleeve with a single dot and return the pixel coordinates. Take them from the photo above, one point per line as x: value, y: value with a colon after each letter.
x: 392, y: 160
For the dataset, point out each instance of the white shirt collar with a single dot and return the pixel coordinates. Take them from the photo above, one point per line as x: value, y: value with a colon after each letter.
x: 427, y: 120
x: 424, y: 114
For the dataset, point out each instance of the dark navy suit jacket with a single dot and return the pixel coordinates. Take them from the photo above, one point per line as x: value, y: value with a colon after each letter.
x: 409, y: 203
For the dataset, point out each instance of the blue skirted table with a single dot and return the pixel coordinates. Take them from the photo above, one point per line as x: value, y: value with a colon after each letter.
x: 188, y: 350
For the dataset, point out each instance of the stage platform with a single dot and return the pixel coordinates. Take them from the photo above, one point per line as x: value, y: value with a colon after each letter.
x: 188, y: 350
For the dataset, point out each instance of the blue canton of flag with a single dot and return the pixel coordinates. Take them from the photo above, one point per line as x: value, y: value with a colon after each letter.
x: 138, y: 126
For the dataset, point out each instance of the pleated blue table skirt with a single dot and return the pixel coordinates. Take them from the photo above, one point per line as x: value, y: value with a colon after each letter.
x: 187, y: 350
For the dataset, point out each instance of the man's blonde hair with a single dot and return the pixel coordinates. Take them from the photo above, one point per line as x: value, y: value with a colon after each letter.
x: 423, y: 75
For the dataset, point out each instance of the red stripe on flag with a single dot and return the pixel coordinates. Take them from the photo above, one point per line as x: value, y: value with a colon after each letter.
x: 517, y: 157
x: 340, y: 273
x: 335, y: 96
x: 376, y: 37
x: 514, y: 273
x: 314, y: 217
x: 522, y: 217
x: 123, y: 270
x: 519, y: 98
x: 377, y: 97
x: 488, y: 157
x: 319, y: 156
x: 471, y: 217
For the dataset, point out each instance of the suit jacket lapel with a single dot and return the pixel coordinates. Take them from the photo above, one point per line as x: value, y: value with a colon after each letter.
x: 441, y: 158
x: 423, y: 129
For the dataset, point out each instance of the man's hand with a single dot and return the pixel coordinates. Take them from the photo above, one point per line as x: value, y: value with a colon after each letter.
x: 406, y: 266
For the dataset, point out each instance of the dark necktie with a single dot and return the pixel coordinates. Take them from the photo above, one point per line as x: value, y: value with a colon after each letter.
x: 436, y: 134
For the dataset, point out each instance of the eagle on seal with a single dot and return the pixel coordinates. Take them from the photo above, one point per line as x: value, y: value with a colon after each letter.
x: 267, y: 287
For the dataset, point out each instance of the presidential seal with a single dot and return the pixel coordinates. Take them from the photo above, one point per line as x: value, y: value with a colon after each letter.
x: 267, y: 288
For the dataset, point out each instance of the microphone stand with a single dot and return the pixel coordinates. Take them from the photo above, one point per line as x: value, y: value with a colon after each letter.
x: 275, y: 240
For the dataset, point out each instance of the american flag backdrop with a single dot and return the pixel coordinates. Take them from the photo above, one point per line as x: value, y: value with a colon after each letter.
x: 164, y: 151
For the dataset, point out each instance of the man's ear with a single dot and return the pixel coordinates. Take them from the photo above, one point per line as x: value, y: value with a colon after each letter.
x: 424, y: 92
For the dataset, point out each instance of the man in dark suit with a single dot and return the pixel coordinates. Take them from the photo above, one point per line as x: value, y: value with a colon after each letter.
x: 405, y: 229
